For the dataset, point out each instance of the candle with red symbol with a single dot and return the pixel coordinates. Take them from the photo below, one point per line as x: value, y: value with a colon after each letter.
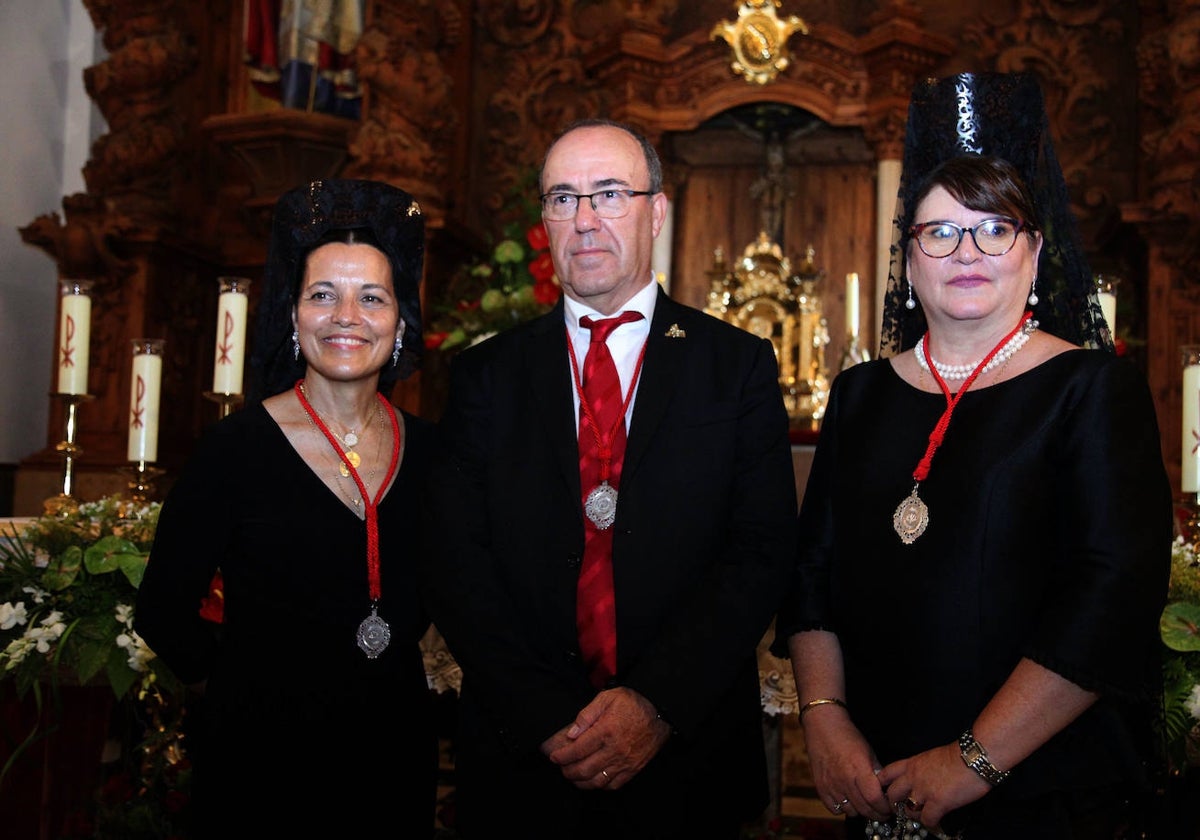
x: 144, y: 391
x: 74, y: 327
x: 230, y: 358
x: 1190, y: 475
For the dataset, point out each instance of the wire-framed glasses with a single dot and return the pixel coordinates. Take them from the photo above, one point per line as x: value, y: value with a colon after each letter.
x: 994, y: 237
x: 607, y: 204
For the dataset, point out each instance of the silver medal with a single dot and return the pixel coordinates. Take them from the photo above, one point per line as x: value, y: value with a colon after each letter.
x: 373, y: 634
x: 601, y: 505
x: 911, y: 518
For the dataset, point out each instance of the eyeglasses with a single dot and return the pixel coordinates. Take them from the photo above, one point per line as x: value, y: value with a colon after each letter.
x: 607, y: 204
x: 994, y: 237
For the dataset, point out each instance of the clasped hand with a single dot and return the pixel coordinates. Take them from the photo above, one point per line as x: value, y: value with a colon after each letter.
x: 611, y: 740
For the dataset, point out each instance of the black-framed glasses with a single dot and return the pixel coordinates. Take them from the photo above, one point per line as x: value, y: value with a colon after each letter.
x: 607, y: 204
x: 994, y: 237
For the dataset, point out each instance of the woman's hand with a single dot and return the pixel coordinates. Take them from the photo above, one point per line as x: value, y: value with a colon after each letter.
x: 843, y: 765
x: 932, y: 784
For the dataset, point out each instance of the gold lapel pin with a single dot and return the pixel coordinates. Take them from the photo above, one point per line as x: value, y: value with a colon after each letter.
x: 675, y: 332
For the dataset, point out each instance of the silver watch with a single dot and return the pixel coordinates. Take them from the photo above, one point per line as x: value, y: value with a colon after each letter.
x: 976, y: 757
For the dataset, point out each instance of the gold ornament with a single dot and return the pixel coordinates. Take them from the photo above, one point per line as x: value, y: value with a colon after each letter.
x: 759, y: 39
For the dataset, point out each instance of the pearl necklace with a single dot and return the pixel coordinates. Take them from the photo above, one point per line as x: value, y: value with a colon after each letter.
x: 957, y: 372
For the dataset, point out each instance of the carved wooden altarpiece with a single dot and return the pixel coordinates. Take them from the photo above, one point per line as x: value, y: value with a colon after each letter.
x: 461, y: 97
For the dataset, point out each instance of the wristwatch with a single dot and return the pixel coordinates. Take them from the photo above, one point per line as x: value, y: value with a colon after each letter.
x: 976, y: 757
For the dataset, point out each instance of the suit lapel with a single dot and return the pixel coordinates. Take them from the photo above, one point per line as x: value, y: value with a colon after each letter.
x: 660, y: 378
x: 550, y: 387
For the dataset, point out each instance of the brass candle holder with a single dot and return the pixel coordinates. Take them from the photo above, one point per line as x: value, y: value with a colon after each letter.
x: 228, y: 402
x: 69, y: 450
x: 141, y: 481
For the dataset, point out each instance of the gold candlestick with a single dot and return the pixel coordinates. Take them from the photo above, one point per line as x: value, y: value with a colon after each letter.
x: 141, y: 481
x: 228, y: 402
x: 69, y: 451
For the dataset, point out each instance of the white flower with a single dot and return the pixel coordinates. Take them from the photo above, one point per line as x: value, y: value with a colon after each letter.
x: 1193, y: 702
x: 38, y: 596
x: 16, y: 652
x: 139, y: 655
x: 11, y: 615
x: 125, y: 615
x: 48, y: 631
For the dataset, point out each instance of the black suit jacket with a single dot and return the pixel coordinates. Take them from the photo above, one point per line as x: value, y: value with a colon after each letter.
x: 703, y: 542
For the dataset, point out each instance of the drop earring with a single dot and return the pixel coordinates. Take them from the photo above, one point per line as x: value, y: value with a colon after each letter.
x: 396, y: 350
x: 296, y: 345
x: 1033, y: 298
x: 910, y: 303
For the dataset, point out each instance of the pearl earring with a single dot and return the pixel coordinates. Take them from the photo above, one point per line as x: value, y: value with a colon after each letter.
x: 910, y: 303
x: 1033, y: 298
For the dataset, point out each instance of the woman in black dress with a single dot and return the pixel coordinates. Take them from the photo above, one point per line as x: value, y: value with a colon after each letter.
x: 986, y: 529
x: 313, y: 707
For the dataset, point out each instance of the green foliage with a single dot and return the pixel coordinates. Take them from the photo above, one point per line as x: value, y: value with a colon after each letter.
x: 68, y: 586
x: 1179, y: 628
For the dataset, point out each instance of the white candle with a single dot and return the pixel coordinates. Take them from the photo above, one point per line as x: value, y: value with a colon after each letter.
x: 74, y: 330
x: 144, y: 392
x: 230, y: 357
x: 1108, y: 305
x: 1190, y: 475
x: 852, y: 304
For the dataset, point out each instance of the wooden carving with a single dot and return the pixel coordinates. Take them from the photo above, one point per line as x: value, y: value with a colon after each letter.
x: 408, y: 131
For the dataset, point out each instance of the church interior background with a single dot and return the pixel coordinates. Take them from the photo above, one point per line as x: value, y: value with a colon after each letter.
x: 787, y: 174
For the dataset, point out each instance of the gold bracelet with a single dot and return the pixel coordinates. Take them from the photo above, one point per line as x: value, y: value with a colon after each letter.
x: 821, y: 701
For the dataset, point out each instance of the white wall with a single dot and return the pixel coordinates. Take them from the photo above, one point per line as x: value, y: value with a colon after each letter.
x: 49, y: 125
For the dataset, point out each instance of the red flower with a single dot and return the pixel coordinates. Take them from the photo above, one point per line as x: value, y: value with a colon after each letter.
x: 434, y: 340
x: 537, y: 237
x: 1119, y: 346
x: 546, y: 292
x: 212, y: 606
x: 542, y: 267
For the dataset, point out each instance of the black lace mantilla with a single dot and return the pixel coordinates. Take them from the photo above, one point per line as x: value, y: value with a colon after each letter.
x: 999, y: 114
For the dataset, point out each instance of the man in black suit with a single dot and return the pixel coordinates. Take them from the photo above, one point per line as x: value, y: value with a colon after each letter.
x: 561, y: 736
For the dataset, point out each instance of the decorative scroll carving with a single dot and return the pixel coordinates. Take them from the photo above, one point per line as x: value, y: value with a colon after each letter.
x: 85, y: 246
x: 149, y: 54
x: 408, y: 131
x: 1059, y: 42
x: 1171, y: 82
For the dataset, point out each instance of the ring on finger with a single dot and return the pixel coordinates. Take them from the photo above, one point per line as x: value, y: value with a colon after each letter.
x: 912, y: 804
x: 607, y: 778
x: 837, y: 809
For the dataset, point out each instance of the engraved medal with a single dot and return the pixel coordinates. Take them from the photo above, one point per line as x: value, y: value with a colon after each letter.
x: 373, y: 634
x: 911, y: 518
x: 601, y: 505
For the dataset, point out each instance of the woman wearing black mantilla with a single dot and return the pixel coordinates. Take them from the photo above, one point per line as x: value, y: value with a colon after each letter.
x: 315, y: 709
x: 986, y: 529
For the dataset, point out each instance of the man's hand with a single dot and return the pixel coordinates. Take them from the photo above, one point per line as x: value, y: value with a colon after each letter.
x: 611, y: 740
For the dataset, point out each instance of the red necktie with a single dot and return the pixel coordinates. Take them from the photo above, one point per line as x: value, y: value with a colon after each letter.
x: 596, y: 618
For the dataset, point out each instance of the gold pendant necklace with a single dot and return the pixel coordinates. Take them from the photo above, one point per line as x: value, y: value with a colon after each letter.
x: 348, y: 441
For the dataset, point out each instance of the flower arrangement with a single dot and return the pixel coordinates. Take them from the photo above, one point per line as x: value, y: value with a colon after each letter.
x: 1179, y: 627
x: 68, y: 584
x: 516, y: 283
